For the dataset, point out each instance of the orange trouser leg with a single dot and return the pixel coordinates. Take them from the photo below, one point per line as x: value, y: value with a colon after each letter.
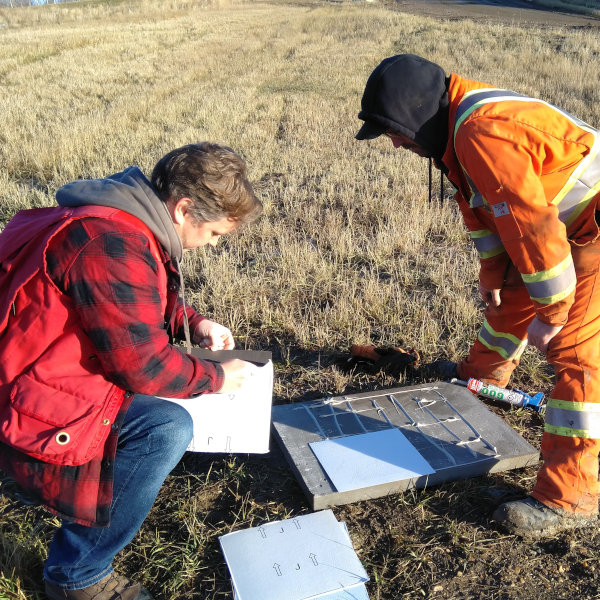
x: 568, y: 478
x: 495, y: 362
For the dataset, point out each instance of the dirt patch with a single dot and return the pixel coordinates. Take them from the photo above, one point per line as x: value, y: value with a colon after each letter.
x: 518, y: 12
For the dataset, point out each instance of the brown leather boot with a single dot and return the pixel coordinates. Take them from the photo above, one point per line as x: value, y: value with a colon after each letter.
x: 113, y: 587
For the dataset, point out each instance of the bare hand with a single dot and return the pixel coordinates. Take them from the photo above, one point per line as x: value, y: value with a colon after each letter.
x: 490, y: 296
x: 237, y: 374
x: 211, y: 335
x: 540, y: 334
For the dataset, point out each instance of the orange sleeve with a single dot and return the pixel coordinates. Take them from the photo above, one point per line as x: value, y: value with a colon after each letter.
x: 491, y: 270
x: 504, y: 159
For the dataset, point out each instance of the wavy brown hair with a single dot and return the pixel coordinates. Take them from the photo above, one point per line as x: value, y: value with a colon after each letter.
x: 214, y: 177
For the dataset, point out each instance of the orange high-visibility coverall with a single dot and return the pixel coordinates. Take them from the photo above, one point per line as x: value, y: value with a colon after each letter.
x: 528, y: 179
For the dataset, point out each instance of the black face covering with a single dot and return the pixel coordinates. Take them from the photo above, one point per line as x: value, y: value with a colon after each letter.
x: 407, y: 94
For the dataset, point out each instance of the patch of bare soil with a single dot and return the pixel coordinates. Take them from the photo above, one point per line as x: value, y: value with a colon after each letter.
x: 516, y: 12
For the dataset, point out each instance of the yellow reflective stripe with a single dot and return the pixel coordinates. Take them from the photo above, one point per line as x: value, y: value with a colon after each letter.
x: 573, y: 419
x: 548, y: 273
x: 568, y: 432
x: 506, y: 345
x: 491, y: 253
x: 552, y: 285
x: 567, y: 405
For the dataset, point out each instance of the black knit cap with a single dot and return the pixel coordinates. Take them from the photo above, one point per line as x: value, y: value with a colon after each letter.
x: 407, y: 94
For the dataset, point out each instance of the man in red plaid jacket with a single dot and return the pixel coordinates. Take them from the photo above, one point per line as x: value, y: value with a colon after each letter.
x: 89, y: 308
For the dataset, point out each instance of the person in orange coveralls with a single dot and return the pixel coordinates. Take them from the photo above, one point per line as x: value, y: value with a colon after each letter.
x: 528, y: 185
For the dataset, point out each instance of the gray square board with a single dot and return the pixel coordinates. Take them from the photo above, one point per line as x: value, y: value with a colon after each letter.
x: 450, y: 427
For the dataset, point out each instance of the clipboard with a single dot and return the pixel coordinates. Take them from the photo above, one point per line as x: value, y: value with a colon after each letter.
x: 258, y: 357
x: 233, y: 422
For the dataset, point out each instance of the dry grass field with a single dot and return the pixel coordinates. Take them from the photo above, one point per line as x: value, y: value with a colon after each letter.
x: 348, y: 251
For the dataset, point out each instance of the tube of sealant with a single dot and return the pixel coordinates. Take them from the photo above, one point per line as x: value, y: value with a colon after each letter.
x: 495, y: 393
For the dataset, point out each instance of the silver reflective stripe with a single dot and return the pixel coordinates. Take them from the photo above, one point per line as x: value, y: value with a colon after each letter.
x: 470, y: 99
x: 555, y: 288
x: 505, y: 344
x: 582, y: 185
x: 571, y: 202
x: 573, y: 419
x: 485, y: 240
x: 488, y: 244
x: 476, y: 200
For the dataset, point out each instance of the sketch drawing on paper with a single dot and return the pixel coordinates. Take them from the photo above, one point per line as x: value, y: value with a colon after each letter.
x: 233, y: 423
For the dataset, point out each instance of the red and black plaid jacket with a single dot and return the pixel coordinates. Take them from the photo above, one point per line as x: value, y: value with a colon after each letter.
x: 110, y: 275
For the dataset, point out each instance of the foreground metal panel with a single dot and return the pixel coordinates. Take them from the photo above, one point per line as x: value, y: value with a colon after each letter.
x: 452, y: 429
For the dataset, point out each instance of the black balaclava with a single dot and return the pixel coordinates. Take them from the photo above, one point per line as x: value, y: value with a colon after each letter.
x: 409, y: 95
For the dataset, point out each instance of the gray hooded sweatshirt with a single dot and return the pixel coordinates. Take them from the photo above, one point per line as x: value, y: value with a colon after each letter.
x: 132, y: 193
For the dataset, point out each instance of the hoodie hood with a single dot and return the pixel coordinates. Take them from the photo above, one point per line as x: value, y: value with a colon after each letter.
x: 132, y: 193
x: 409, y: 95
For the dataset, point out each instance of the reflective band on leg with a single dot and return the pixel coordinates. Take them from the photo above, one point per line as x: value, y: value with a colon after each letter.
x: 573, y: 419
x: 506, y: 345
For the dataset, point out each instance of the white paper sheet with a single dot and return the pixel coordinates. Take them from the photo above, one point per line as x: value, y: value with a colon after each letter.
x: 306, y: 557
x: 237, y: 423
x: 367, y: 459
x: 356, y: 593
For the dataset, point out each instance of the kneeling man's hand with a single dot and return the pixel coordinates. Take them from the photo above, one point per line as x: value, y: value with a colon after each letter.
x: 237, y: 374
x: 214, y: 336
x: 540, y: 334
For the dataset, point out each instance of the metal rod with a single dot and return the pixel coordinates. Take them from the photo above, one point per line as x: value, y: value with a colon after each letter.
x: 381, y: 411
x: 427, y: 438
x: 460, y: 442
x: 355, y: 413
x: 475, y: 432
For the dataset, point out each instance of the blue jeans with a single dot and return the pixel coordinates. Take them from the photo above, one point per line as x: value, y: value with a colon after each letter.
x: 153, y: 439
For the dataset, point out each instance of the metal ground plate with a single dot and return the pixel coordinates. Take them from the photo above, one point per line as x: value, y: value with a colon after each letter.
x: 449, y: 426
